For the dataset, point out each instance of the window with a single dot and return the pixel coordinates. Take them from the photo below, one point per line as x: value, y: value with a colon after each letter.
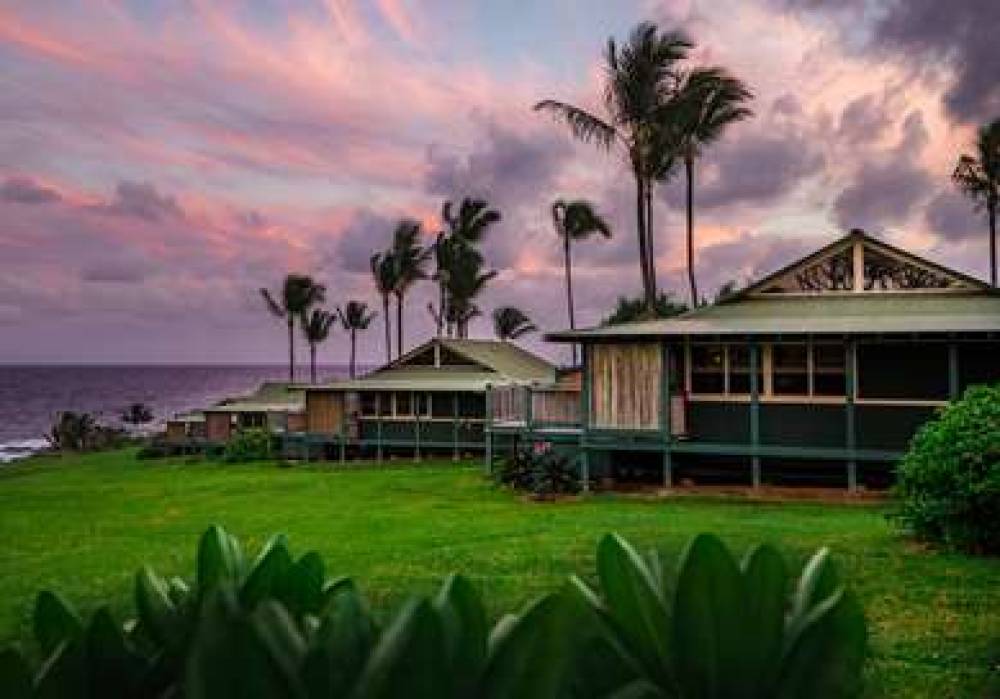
x: 403, y: 404
x: 829, y: 363
x: 424, y: 404
x: 443, y: 404
x: 384, y: 404
x: 739, y: 369
x: 790, y: 373
x: 708, y: 369
x: 368, y: 404
x: 900, y: 371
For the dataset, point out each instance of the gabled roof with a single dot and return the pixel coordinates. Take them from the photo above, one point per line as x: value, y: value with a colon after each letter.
x: 483, y: 362
x: 891, y: 300
x: 270, y: 397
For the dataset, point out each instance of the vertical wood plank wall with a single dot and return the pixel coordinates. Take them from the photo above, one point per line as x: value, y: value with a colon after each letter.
x: 324, y: 411
x: 218, y: 426
x: 625, y: 386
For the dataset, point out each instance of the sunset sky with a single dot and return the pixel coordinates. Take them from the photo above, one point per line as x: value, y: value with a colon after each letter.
x: 161, y: 160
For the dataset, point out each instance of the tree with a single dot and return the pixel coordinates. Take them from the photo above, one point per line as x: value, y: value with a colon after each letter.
x: 639, y: 76
x: 354, y: 316
x: 510, y: 323
x: 316, y: 329
x: 136, y: 414
x: 575, y: 220
x: 466, y: 280
x: 384, y: 275
x: 409, y: 258
x: 705, y: 102
x: 629, y: 310
x: 299, y: 293
x: 978, y: 177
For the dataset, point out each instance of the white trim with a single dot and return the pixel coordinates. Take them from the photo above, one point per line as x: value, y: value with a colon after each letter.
x: 816, y: 400
x: 858, y: 266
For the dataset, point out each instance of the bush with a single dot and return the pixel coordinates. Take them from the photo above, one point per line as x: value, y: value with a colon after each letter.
x: 540, y: 470
x: 279, y: 627
x: 948, y: 484
x: 252, y: 444
x: 81, y: 432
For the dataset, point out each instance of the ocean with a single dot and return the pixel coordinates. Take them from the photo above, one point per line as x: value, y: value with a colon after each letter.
x: 31, y: 396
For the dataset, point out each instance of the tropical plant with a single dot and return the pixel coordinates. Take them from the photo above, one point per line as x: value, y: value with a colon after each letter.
x: 384, y: 274
x: 719, y: 628
x: 978, y: 176
x: 73, y: 431
x: 575, y: 221
x: 540, y: 470
x: 316, y: 328
x: 948, y: 483
x: 136, y: 414
x: 466, y: 280
x: 510, y: 323
x: 279, y: 627
x: 299, y: 293
x: 249, y: 444
x: 638, y: 77
x: 409, y: 258
x: 704, y: 102
x: 628, y: 310
x: 354, y: 316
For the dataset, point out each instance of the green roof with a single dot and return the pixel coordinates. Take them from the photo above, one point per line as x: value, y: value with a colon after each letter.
x: 819, y: 314
x: 270, y: 397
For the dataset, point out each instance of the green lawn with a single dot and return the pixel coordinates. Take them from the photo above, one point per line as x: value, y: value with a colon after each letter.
x: 84, y: 525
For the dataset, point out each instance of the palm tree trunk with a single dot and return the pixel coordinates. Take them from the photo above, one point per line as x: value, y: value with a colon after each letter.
x: 993, y: 243
x: 354, y: 340
x: 440, y: 318
x: 650, y: 250
x: 291, y: 348
x: 569, y: 291
x: 388, y: 329
x: 640, y: 215
x: 689, y: 172
x: 399, y: 325
x: 312, y: 362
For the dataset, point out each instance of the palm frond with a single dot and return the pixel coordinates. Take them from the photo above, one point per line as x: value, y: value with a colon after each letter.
x: 583, y: 125
x: 272, y: 305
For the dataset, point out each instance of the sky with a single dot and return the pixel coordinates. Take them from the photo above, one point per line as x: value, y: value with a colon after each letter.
x: 162, y: 160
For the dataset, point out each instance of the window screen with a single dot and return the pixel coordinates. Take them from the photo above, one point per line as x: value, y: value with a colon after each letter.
x: 790, y: 370
x: 896, y: 371
x: 708, y: 369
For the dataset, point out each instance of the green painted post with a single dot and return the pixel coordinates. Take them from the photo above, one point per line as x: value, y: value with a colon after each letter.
x: 416, y: 425
x: 342, y: 439
x: 454, y: 426
x: 488, y: 431
x: 584, y: 417
x: 953, y: 388
x: 378, y: 427
x: 665, y: 417
x: 754, y: 414
x: 849, y: 387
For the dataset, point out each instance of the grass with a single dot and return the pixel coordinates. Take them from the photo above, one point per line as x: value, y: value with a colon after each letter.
x: 83, y: 525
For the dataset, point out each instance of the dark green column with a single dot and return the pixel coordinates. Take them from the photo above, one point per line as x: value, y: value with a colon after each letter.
x: 665, y: 416
x: 584, y: 415
x: 378, y: 427
x: 488, y: 431
x: 953, y: 388
x: 415, y: 407
x: 850, y: 381
x: 754, y: 414
x: 454, y: 426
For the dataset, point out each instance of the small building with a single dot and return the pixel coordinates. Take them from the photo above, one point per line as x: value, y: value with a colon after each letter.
x: 825, y: 368
x: 432, y: 399
x: 185, y: 428
x: 276, y: 406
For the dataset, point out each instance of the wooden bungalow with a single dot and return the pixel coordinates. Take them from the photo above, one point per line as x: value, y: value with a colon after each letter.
x: 826, y: 367
x: 432, y: 399
x: 276, y: 406
x: 185, y: 428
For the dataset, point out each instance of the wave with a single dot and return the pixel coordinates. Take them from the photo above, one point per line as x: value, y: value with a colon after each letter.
x: 20, y: 448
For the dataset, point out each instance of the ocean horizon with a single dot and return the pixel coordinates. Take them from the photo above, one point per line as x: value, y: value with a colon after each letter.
x: 32, y: 395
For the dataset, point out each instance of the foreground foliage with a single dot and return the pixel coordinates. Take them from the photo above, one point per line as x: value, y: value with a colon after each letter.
x: 948, y: 483
x: 539, y: 470
x: 279, y: 627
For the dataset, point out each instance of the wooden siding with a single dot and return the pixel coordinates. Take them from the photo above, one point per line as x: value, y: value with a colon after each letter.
x: 218, y: 426
x: 324, y: 412
x: 297, y: 422
x: 176, y: 431
x: 625, y: 386
x: 557, y: 407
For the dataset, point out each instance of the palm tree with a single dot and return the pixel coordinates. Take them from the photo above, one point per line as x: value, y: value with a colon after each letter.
x: 354, y: 316
x: 316, y: 328
x: 408, y: 258
x: 704, y: 103
x: 299, y: 293
x: 510, y: 323
x: 384, y: 274
x: 639, y: 76
x: 978, y: 176
x: 467, y: 279
x: 575, y: 220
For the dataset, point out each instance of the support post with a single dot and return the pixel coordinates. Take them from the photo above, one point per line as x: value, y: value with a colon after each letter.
x: 528, y: 419
x: 850, y: 381
x: 488, y: 431
x: 454, y: 426
x: 378, y: 427
x: 415, y: 407
x: 665, y: 416
x: 584, y: 416
x: 953, y: 389
x: 754, y: 414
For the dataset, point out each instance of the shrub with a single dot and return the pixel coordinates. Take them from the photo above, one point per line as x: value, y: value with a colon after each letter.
x: 948, y: 483
x: 252, y: 444
x: 279, y: 627
x: 81, y: 432
x: 540, y: 470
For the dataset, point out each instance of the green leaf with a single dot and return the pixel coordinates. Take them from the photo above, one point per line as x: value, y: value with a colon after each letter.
x: 55, y: 621
x: 826, y: 654
x: 766, y: 580
x: 410, y: 659
x: 341, y: 645
x: 157, y: 611
x: 267, y: 573
x: 709, y: 636
x: 113, y: 669
x: 465, y: 631
x: 15, y: 675
x: 819, y: 581
x: 635, y: 606
x: 220, y: 559
x: 64, y: 673
x: 531, y: 657
x: 301, y: 588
